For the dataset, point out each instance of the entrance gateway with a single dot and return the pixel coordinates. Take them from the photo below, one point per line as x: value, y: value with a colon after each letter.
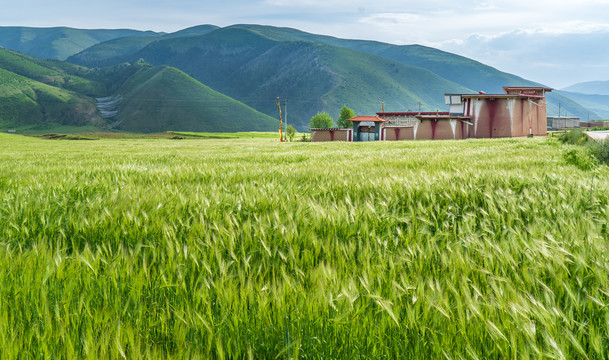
x: 367, y: 131
x: 367, y: 128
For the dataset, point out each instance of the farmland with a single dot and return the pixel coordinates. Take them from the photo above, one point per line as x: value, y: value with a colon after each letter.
x: 248, y: 248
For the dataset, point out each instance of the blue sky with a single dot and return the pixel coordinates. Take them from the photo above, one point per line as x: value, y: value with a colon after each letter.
x: 555, y: 42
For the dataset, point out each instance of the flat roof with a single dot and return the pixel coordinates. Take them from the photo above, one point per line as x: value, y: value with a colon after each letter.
x: 368, y: 118
x: 500, y: 96
x: 332, y: 129
x: 465, y: 119
x: 482, y: 94
x: 547, y: 89
x: 412, y: 113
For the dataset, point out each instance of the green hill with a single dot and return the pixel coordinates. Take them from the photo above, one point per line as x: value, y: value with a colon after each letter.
x: 254, y: 64
x: 58, y: 43
x: 224, y: 59
x: 41, y: 94
x: 28, y: 102
x: 37, y: 92
x: 254, y: 69
x: 162, y: 98
x: 51, y: 72
x: 458, y: 69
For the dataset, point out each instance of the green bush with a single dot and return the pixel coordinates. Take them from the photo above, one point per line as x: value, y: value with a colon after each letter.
x: 582, y: 158
x: 595, y: 152
x: 321, y: 120
x: 574, y: 137
x: 290, y: 132
x: 600, y: 150
x: 343, y: 119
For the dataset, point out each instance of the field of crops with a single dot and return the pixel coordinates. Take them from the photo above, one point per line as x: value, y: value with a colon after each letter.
x: 252, y: 249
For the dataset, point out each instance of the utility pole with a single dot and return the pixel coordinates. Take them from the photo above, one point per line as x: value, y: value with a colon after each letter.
x: 285, y: 107
x: 559, y: 109
x: 280, y: 132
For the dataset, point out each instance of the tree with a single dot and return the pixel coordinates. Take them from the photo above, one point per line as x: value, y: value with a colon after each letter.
x: 345, y: 115
x: 290, y: 132
x: 321, y: 121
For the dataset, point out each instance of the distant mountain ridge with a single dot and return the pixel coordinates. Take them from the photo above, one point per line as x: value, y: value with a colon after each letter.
x: 58, y: 43
x: 590, y: 88
x: 598, y: 105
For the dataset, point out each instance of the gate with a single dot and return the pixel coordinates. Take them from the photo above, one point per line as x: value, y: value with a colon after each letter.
x: 367, y: 133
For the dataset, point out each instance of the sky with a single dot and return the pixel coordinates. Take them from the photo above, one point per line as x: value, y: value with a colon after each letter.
x: 554, y: 42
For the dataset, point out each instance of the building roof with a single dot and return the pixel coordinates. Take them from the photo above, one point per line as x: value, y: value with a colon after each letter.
x: 444, y: 117
x: 523, y: 91
x: 368, y: 118
x: 500, y: 96
x: 546, y: 89
x: 410, y: 113
x: 328, y: 129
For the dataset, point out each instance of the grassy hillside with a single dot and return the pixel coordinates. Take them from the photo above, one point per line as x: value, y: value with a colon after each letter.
x: 466, y: 72
x: 38, y: 92
x: 255, y: 63
x: 211, y: 249
x: 60, y: 42
x: 54, y: 73
x: 26, y: 101
x: 164, y: 98
x: 254, y: 69
x: 469, y: 74
x: 461, y: 70
x: 45, y: 96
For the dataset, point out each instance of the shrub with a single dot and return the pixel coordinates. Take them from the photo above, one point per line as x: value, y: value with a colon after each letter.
x: 582, y: 158
x: 574, y: 137
x: 321, y: 120
x: 343, y: 119
x: 290, y: 132
x: 600, y: 150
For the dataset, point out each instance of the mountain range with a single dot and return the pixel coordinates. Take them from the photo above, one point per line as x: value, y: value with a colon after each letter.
x: 208, y: 78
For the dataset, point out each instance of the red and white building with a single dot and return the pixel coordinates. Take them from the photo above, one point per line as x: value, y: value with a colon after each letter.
x: 519, y: 111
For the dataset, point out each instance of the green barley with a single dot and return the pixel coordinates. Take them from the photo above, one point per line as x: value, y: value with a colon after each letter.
x: 219, y: 248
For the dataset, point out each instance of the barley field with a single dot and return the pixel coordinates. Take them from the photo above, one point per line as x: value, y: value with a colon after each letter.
x: 253, y: 249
